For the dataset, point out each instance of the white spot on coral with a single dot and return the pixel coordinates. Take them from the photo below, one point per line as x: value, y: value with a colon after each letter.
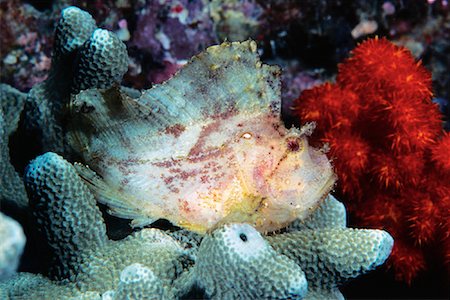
x: 136, y: 272
x: 245, y: 241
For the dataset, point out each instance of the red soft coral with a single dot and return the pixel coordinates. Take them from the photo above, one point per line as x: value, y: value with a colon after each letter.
x: 354, y: 151
x: 440, y: 154
x: 388, y: 148
x: 379, y: 62
x: 324, y: 102
x: 423, y: 222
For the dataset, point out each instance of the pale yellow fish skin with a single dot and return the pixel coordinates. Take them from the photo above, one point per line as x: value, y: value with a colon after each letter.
x: 237, y: 165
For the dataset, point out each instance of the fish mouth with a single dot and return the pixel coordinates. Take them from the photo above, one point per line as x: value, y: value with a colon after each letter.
x: 248, y: 210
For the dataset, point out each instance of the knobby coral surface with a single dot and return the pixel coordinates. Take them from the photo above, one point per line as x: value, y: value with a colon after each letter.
x: 389, y: 149
x: 310, y: 260
x: 84, y: 56
x: 84, y: 258
x: 12, y: 102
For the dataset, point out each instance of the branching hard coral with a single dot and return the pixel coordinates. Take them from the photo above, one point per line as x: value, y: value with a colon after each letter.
x: 12, y: 102
x: 83, y: 57
x: 101, y: 61
x: 330, y: 214
x: 235, y: 262
x: 150, y: 261
x: 11, y: 186
x: 85, y: 259
x: 137, y: 282
x: 328, y: 253
x: 388, y: 148
x: 332, y: 256
x: 70, y: 226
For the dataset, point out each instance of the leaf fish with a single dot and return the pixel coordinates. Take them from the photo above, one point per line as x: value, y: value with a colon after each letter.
x: 204, y: 148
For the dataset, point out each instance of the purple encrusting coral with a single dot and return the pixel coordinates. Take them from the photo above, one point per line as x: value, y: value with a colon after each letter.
x: 175, y: 30
x: 170, y: 32
x: 25, y: 38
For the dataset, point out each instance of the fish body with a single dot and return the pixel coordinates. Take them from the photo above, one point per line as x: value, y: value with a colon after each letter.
x: 205, y: 148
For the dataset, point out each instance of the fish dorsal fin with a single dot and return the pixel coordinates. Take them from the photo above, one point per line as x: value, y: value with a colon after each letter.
x: 224, y: 78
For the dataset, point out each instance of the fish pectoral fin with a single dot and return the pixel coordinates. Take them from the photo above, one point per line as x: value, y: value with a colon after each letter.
x: 119, y: 204
x: 142, y: 222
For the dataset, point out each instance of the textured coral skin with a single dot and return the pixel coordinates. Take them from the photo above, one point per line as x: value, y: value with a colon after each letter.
x: 70, y: 227
x: 83, y: 57
x: 389, y: 150
x: 234, y: 261
x: 85, y: 259
x: 241, y: 250
x: 11, y: 105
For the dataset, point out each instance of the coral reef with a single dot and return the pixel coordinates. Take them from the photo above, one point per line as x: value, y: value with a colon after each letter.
x: 161, y: 35
x: 89, y: 265
x: 386, y: 138
x: 26, y: 36
x: 258, y: 270
x: 11, y: 246
x: 170, y: 263
x: 84, y: 258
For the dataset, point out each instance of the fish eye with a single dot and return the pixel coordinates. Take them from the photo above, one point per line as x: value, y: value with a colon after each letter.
x: 293, y: 145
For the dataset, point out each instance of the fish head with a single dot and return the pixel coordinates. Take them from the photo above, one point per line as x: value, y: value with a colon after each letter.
x: 281, y: 176
x: 299, y: 181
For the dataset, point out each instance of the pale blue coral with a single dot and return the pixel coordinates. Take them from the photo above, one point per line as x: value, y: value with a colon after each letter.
x: 234, y: 261
x: 85, y: 259
x: 11, y: 246
x: 12, y: 102
x: 83, y: 57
